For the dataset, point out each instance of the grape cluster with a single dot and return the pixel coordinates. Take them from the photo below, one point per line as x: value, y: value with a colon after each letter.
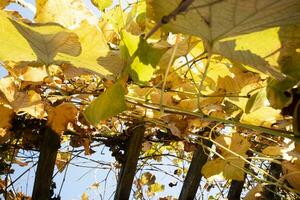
x: 118, y: 146
x: 29, y: 130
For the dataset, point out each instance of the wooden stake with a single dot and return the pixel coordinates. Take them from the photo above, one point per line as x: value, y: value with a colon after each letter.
x: 193, y: 177
x: 46, y: 163
x: 131, y: 159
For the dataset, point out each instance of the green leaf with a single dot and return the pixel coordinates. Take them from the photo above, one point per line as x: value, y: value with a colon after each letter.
x: 108, y: 104
x: 143, y: 57
x: 102, y: 4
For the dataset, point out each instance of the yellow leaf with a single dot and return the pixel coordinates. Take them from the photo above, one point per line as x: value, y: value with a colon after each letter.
x: 136, y: 91
x: 188, y: 104
x: 95, y: 186
x: 84, y: 196
x: 183, y: 47
x: 5, y: 117
x: 22, y: 42
x: 4, y: 135
x: 62, y: 160
x: 95, y: 54
x: 61, y: 115
x: 266, y: 50
x: 233, y: 168
x: 65, y: 12
x: 102, y: 107
x: 8, y: 88
x: 254, y: 193
x: 28, y: 73
x: 273, y: 150
x: 4, y: 3
x: 155, y: 188
x: 212, y: 168
x: 70, y: 71
x: 203, y: 18
x: 147, y: 179
x: 230, y: 168
x: 291, y: 173
x: 102, y: 4
x: 29, y: 102
x: 264, y: 116
x: 236, y: 143
x: 167, y: 98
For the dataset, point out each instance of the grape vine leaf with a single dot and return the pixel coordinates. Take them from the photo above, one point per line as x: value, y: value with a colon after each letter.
x: 29, y: 73
x: 6, y: 116
x: 214, y: 20
x: 102, y: 4
x: 291, y: 172
x: 27, y: 101
x: 270, y: 50
x: 155, y: 188
x: 256, y: 101
x: 67, y: 13
x: 60, y: 116
x: 142, y: 57
x: 95, y: 55
x: 264, y: 116
x: 273, y: 150
x: 62, y: 159
x: 231, y: 166
x: 50, y: 43
x: 108, y: 104
x: 21, y: 42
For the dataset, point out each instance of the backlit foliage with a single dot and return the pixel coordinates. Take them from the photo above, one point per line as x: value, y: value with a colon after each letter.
x: 204, y: 70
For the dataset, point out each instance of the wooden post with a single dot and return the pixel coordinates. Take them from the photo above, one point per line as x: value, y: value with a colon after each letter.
x: 271, y: 191
x: 236, y: 187
x: 193, y: 177
x: 235, y: 190
x: 46, y: 163
x: 131, y: 158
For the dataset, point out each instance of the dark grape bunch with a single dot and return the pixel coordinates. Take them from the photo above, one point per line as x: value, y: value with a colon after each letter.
x: 29, y: 130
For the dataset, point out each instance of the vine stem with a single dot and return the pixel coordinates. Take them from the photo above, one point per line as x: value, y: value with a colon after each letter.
x: 182, y: 7
x: 202, y: 80
x: 168, y: 109
x: 161, y: 102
